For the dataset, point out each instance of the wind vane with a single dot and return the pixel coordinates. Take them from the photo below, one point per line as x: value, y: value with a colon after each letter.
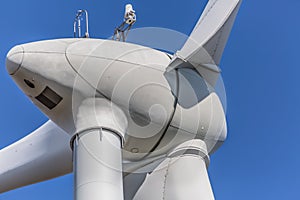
x: 121, y: 32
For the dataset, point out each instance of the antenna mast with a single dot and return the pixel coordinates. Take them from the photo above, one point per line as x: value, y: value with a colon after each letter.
x: 121, y: 32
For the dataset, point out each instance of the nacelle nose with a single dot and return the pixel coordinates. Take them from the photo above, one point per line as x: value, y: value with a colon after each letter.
x: 14, y: 59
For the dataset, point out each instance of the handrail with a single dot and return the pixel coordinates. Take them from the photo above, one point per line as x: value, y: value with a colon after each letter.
x: 77, y: 22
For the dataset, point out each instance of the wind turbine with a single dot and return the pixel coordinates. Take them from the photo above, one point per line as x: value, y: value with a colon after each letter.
x: 131, y: 122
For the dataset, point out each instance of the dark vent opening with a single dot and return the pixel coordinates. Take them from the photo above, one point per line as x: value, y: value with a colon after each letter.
x: 49, y: 98
x: 29, y: 83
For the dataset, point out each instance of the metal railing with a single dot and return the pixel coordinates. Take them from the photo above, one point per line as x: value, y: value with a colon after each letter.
x: 77, y: 24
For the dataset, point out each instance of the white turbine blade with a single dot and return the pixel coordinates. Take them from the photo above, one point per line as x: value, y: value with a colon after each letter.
x: 42, y: 155
x: 204, y: 48
x: 181, y: 175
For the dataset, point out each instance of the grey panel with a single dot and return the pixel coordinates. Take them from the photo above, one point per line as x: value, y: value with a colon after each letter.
x: 192, y: 88
x: 49, y: 98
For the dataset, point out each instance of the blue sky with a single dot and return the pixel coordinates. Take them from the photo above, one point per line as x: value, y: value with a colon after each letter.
x: 259, y: 160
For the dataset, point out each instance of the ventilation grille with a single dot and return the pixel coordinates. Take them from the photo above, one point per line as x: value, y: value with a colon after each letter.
x: 49, y: 98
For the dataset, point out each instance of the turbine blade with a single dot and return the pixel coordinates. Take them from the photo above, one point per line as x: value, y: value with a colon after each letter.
x: 204, y: 48
x: 42, y: 155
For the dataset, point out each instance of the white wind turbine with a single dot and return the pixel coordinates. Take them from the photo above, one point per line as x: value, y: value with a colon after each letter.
x: 123, y: 116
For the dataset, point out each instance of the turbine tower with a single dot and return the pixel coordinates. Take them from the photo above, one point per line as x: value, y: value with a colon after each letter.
x: 130, y: 121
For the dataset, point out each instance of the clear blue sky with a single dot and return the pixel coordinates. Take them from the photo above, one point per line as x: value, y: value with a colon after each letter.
x: 260, y: 159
